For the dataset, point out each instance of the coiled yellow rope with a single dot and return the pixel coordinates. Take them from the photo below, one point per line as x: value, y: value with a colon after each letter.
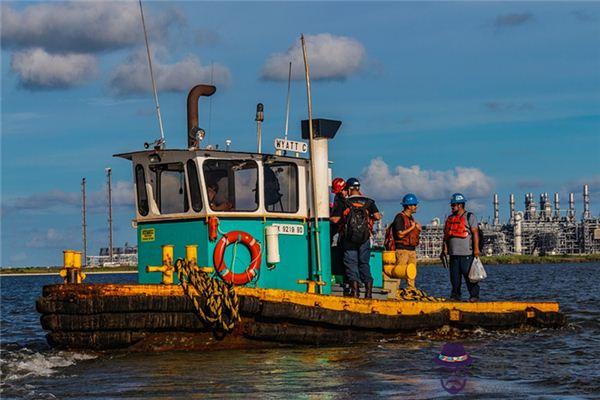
x: 215, y: 302
x: 414, y: 294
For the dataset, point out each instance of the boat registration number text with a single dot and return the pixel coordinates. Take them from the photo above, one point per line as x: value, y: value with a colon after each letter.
x: 290, y: 229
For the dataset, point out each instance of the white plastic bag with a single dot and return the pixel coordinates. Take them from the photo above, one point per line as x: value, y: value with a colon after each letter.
x: 477, y: 272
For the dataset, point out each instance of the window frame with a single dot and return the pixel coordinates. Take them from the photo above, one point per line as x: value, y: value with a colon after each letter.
x: 198, y: 182
x: 138, y: 191
x: 158, y: 169
x: 297, y: 186
x: 259, y: 185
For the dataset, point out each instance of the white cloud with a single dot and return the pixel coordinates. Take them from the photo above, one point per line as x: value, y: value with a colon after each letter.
x: 379, y: 182
x: 38, y: 69
x: 132, y: 76
x: 330, y: 57
x: 82, y: 27
x: 97, y: 201
x: 48, y: 239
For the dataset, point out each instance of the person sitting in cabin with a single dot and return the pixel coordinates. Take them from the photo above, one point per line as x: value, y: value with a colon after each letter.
x: 357, y: 213
x: 406, y: 234
x: 212, y: 189
x: 461, y: 241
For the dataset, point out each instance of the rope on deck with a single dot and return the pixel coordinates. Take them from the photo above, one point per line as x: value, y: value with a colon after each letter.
x: 216, y: 303
x: 414, y: 294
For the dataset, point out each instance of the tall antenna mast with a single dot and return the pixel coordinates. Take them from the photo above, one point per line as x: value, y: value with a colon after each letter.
x: 160, y: 124
x: 84, y: 224
x: 110, y: 230
x: 287, y: 102
x: 212, y: 70
x: 311, y: 144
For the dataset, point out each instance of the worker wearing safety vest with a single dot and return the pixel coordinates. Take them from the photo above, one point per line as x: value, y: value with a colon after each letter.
x: 461, y: 242
x: 406, y: 234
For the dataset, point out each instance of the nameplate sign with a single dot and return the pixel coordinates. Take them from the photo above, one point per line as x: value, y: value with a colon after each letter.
x: 290, y: 229
x: 148, y: 235
x: 291, y: 145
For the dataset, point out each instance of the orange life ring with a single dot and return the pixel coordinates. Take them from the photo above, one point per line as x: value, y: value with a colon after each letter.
x: 253, y: 246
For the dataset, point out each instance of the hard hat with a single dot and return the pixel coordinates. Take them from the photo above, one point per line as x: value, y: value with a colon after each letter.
x: 458, y: 198
x: 410, y: 200
x: 337, y: 185
x: 352, y: 182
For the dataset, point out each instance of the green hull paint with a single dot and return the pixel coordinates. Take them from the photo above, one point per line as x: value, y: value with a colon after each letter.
x: 294, y: 250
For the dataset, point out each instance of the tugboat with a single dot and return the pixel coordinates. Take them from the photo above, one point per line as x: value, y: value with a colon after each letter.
x: 234, y: 252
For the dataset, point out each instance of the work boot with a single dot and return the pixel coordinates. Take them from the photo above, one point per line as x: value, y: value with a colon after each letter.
x: 369, y: 290
x: 354, y: 289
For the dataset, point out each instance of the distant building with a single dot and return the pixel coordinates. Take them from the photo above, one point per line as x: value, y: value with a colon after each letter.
x: 122, y: 256
x: 535, y: 231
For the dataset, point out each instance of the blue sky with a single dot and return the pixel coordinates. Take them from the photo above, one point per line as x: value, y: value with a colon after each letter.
x: 434, y: 97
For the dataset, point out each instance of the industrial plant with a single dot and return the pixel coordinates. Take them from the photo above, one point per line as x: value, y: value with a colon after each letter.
x: 543, y: 230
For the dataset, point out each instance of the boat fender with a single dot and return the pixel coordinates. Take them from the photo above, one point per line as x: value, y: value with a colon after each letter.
x: 253, y: 246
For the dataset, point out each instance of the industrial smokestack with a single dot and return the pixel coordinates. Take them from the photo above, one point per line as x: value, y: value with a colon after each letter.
x: 571, y: 213
x: 518, y: 230
x: 511, y: 203
x: 556, y: 206
x: 586, y: 202
x: 496, y: 210
x: 547, y: 207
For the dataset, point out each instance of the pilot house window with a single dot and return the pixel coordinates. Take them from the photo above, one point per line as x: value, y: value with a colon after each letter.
x: 231, y: 184
x: 142, y: 194
x: 194, y: 185
x: 169, y: 188
x: 281, y: 187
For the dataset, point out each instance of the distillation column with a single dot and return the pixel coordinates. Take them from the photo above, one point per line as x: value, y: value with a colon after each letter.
x: 586, y: 202
x: 496, y: 210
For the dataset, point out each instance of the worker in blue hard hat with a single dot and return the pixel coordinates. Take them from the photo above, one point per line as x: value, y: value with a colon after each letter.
x: 461, y: 242
x: 406, y: 232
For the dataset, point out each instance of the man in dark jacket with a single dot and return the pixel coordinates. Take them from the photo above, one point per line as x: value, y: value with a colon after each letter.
x: 357, y: 213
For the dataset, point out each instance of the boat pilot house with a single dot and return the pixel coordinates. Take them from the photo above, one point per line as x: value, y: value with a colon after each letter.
x: 247, y: 215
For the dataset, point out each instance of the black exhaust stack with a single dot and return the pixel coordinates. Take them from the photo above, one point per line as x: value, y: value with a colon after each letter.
x: 192, y: 112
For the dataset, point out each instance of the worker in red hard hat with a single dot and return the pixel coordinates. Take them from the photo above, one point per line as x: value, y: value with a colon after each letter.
x: 340, y: 192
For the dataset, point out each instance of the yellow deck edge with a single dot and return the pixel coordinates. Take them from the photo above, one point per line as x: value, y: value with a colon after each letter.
x: 385, y: 307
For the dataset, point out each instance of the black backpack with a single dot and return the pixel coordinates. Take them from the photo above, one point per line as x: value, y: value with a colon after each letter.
x: 479, y: 230
x: 357, y: 227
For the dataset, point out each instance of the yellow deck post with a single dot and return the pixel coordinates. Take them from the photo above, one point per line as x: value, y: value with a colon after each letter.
x: 167, y: 268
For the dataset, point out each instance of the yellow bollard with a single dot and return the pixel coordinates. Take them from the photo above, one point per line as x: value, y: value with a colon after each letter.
x: 397, y: 271
x: 167, y: 267
x: 389, y: 262
x: 191, y: 257
x: 311, y: 286
x: 77, y: 259
x: 71, y: 271
x: 68, y: 258
x: 405, y: 271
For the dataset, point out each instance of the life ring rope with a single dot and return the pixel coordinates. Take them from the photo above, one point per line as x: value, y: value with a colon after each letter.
x: 253, y: 246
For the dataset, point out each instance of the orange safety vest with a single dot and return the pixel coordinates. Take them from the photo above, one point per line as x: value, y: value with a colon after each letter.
x: 412, y: 237
x: 456, y: 226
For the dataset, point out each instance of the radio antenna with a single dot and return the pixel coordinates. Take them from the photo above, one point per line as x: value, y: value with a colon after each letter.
x: 287, y: 103
x: 212, y: 70
x: 160, y: 142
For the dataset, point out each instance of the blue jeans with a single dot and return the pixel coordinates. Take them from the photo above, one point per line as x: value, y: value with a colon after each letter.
x: 356, y: 263
x: 459, y: 267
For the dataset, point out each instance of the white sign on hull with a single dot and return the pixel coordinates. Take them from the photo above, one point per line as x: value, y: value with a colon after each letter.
x: 290, y: 229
